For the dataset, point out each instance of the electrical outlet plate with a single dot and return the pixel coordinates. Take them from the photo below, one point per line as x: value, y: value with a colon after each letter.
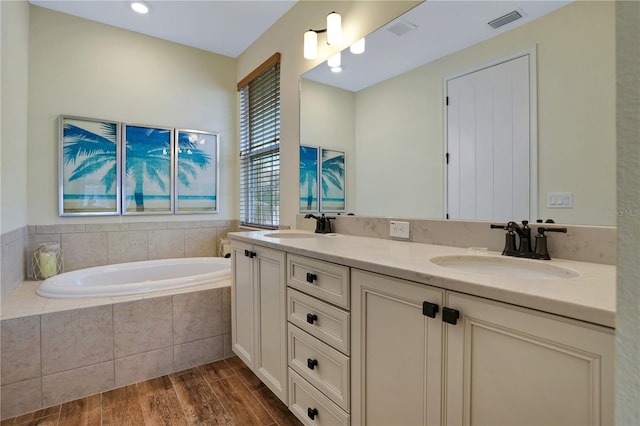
x: 398, y: 229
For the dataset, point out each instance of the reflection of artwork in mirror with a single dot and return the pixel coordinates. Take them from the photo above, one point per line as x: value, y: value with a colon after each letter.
x: 308, y: 178
x: 147, y: 169
x: 332, y: 181
x: 89, y: 169
x: 196, y: 172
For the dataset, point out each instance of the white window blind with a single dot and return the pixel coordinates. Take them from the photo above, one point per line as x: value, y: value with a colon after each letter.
x: 260, y: 146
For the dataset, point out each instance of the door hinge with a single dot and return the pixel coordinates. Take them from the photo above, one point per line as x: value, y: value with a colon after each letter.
x: 447, y: 217
x: 446, y: 157
x: 447, y: 101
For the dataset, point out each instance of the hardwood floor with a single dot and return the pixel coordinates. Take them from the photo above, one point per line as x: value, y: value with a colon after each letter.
x: 225, y: 392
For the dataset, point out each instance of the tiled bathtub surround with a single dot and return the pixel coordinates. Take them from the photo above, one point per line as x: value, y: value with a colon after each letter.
x: 87, y: 245
x: 14, y: 260
x: 595, y: 244
x: 60, y: 356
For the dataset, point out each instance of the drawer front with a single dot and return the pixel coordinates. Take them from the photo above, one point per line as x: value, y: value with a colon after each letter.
x: 322, y: 366
x: 311, y: 406
x: 324, y: 280
x: 324, y: 321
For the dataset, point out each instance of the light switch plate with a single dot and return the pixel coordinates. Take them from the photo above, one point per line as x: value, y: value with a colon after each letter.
x: 398, y: 229
x: 560, y: 200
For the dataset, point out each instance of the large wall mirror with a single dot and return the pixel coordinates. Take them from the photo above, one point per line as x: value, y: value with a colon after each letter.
x: 386, y: 108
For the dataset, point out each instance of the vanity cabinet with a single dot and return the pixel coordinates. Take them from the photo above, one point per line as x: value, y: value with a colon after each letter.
x: 495, y: 364
x: 259, y: 309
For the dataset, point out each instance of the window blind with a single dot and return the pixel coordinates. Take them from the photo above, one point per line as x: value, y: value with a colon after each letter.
x: 260, y: 146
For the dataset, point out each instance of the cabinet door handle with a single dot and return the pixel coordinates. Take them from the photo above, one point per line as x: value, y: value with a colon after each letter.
x: 430, y: 309
x: 252, y: 254
x: 246, y: 253
x: 312, y: 413
x: 311, y: 318
x: 312, y: 363
x: 311, y: 277
x: 450, y: 316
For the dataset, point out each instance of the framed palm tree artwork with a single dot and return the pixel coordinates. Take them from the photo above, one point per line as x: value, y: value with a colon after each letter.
x: 309, y: 179
x: 196, y: 171
x: 89, y: 168
x: 332, y: 180
x: 147, y: 165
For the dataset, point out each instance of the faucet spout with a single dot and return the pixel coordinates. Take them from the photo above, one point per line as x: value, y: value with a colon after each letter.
x: 323, y: 224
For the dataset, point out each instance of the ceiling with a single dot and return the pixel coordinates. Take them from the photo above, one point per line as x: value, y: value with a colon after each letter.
x: 436, y: 29
x: 223, y: 27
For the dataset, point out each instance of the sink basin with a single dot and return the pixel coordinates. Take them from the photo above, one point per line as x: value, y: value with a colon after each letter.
x: 505, y: 266
x: 291, y: 235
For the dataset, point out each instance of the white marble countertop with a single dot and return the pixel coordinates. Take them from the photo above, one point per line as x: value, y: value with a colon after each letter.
x: 590, y: 296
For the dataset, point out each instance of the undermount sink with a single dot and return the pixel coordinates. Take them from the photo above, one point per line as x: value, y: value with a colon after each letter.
x: 505, y: 266
x: 291, y: 235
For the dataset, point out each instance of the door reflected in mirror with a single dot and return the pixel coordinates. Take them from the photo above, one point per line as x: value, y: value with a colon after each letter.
x: 392, y: 124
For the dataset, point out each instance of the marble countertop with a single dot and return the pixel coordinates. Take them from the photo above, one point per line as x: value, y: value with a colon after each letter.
x: 590, y: 296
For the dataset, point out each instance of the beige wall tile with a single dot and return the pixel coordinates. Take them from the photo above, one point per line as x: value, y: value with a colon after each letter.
x: 184, y: 224
x: 106, y: 227
x: 197, y: 315
x: 59, y: 229
x: 128, y: 246
x: 77, y: 383
x: 197, y: 353
x: 226, y: 310
x: 139, y: 367
x: 228, y: 351
x: 146, y: 226
x: 13, y: 266
x: 166, y: 244
x: 200, y: 242
x: 76, y: 338
x: 20, y: 398
x: 20, y: 349
x: 84, y: 250
x: 142, y: 326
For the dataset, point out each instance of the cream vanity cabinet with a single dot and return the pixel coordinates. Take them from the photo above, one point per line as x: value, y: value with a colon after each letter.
x: 318, y: 297
x: 498, y: 364
x: 258, y: 310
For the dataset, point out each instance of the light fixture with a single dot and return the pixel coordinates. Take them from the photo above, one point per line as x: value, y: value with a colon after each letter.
x: 140, y: 7
x: 334, y: 35
x: 357, y: 47
x: 336, y: 69
x: 334, y: 61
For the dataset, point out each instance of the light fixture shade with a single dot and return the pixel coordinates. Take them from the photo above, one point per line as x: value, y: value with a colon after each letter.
x: 310, y: 45
x: 357, y: 47
x: 140, y: 7
x: 334, y: 28
x: 335, y: 60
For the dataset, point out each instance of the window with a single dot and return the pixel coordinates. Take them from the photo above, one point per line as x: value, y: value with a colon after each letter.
x: 260, y: 145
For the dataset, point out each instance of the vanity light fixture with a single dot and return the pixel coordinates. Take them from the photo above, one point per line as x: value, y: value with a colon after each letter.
x: 140, y: 7
x: 334, y: 35
x: 335, y: 60
x: 357, y: 47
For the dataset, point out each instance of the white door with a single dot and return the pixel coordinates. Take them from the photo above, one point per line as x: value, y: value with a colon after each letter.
x: 488, y: 143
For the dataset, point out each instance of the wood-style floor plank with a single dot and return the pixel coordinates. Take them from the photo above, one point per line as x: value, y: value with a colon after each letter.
x: 242, y: 406
x: 216, y: 371
x: 250, y: 380
x: 82, y: 412
x: 30, y: 418
x: 276, y: 408
x: 199, y: 404
x: 121, y: 407
x: 163, y: 409
x: 154, y: 386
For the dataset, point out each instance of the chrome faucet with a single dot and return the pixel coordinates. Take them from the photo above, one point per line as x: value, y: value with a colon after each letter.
x: 525, y: 248
x: 323, y: 224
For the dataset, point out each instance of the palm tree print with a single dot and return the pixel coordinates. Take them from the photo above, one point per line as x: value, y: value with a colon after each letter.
x: 332, y: 180
x: 308, y: 175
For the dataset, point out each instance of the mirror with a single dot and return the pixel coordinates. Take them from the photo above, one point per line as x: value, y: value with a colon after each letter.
x: 386, y: 108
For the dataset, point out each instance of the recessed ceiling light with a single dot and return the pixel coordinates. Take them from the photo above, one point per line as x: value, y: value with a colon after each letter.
x: 140, y: 7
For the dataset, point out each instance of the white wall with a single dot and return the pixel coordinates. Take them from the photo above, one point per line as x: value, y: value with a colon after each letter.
x: 80, y: 67
x: 576, y: 120
x: 13, y: 145
x: 359, y: 18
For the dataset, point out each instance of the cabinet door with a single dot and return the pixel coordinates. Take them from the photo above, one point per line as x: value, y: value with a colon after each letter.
x: 512, y: 366
x: 396, y: 352
x: 243, y: 304
x: 271, y: 320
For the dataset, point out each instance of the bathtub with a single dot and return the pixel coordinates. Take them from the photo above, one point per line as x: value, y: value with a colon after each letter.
x: 136, y: 277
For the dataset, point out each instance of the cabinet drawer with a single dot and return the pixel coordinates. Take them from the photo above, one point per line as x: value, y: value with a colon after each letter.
x: 324, y: 280
x: 305, y: 402
x: 324, y: 321
x: 324, y: 367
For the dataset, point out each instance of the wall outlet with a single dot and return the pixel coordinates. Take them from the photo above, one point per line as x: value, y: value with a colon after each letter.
x: 560, y: 200
x: 398, y: 229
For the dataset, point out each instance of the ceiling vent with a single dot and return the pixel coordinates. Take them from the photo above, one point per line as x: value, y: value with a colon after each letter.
x: 401, y: 27
x: 504, y: 20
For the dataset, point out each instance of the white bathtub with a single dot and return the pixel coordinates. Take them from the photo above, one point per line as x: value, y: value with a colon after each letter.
x: 136, y: 277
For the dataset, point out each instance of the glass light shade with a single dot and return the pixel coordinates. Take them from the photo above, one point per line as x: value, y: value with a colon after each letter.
x: 140, y: 7
x: 336, y: 69
x: 357, y: 47
x: 335, y: 60
x: 334, y: 28
x: 310, y: 45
